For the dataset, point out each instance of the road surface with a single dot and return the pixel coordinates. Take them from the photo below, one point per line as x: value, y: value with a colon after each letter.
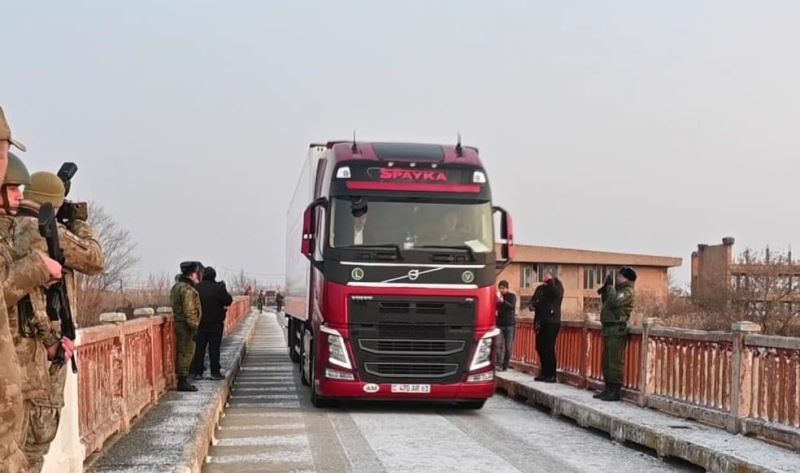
x: 270, y: 425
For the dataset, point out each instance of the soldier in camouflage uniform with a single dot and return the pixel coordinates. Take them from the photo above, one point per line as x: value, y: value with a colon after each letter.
x: 44, y: 392
x: 20, y: 274
x: 185, y: 302
x: 617, y: 307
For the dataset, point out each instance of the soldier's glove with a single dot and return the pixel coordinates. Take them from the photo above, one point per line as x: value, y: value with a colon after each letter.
x: 609, y: 280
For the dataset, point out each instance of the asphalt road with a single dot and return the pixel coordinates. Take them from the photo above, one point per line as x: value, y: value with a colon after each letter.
x: 270, y: 426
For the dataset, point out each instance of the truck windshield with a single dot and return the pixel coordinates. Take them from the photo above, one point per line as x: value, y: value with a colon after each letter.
x: 357, y: 222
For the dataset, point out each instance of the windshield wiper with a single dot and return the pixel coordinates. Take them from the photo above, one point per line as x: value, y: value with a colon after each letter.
x: 464, y: 248
x: 398, y: 254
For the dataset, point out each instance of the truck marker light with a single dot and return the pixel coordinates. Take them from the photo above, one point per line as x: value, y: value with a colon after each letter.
x: 339, y: 375
x: 337, y: 351
x: 479, y: 177
x: 343, y: 173
x: 481, y: 378
x: 483, y: 352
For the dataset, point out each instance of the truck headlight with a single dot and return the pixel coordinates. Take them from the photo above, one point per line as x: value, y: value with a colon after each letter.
x: 483, y: 352
x: 337, y: 351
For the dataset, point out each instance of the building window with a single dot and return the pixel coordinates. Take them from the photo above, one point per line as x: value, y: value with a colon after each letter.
x: 533, y: 274
x: 593, y: 276
x: 529, y: 275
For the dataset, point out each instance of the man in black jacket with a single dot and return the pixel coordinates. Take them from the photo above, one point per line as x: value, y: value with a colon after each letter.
x: 506, y: 322
x: 546, y: 305
x: 215, y: 299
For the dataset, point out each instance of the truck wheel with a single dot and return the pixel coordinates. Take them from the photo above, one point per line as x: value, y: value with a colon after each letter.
x: 294, y: 344
x: 316, y: 400
x: 305, y: 360
x: 472, y: 405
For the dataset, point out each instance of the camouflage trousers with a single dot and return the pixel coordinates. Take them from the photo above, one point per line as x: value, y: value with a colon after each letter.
x: 614, y: 358
x: 41, y: 426
x: 185, y: 346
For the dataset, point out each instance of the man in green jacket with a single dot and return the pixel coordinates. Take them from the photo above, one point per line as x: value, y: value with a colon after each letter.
x: 617, y: 307
x: 185, y: 301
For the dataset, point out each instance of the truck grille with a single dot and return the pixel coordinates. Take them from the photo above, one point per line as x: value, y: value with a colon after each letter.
x: 411, y: 347
x: 412, y: 370
x: 402, y: 339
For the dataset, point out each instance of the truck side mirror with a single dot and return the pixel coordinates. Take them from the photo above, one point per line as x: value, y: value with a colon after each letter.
x: 506, y: 239
x: 309, y: 240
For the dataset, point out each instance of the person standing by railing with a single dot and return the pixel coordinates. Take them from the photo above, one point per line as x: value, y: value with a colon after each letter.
x: 214, y: 300
x: 546, y: 305
x: 506, y: 322
x: 617, y: 307
x: 186, y: 306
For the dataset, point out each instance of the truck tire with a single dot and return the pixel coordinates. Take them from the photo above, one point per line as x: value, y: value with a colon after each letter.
x: 316, y: 400
x: 294, y: 344
x: 306, y: 342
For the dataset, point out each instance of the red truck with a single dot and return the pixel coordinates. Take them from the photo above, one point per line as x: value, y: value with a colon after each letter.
x: 390, y: 272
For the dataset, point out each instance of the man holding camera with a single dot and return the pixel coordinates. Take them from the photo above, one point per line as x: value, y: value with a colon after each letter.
x: 617, y: 307
x: 546, y: 306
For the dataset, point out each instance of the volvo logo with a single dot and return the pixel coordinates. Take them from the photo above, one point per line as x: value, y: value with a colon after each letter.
x: 357, y: 274
x: 468, y: 277
x: 413, y: 275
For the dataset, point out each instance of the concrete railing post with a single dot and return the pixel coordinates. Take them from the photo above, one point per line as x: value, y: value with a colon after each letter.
x: 648, y: 366
x: 741, y: 374
x: 586, y: 353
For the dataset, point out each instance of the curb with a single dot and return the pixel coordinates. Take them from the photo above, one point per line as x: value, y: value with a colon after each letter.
x: 195, y: 453
x: 176, y: 434
x: 623, y: 429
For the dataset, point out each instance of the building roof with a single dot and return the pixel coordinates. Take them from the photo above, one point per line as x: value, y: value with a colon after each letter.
x: 546, y: 254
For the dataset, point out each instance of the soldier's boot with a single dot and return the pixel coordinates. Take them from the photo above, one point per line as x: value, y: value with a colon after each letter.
x: 185, y: 387
x: 218, y: 375
x: 615, y: 394
x: 603, y: 393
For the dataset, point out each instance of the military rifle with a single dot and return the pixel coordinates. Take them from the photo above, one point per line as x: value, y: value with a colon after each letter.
x: 58, y: 307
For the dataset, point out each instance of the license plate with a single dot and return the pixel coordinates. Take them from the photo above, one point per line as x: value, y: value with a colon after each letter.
x: 411, y: 388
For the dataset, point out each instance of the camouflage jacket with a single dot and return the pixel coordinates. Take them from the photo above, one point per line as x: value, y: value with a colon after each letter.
x: 82, y: 252
x: 17, y: 276
x: 185, y: 301
x: 617, y: 307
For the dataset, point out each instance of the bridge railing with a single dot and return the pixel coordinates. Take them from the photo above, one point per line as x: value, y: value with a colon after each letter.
x: 740, y: 380
x: 125, y: 368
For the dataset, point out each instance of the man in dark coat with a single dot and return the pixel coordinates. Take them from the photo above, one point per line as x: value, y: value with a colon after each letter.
x: 506, y: 322
x: 215, y: 299
x: 546, y: 305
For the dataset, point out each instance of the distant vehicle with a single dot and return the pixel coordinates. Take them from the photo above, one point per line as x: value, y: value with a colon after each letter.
x: 390, y: 272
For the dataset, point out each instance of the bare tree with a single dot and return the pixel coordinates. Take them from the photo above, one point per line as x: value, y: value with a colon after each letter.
x: 102, y: 292
x: 240, y: 283
x: 765, y: 288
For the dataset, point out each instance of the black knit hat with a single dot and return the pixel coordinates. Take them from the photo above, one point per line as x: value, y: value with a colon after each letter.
x: 628, y: 272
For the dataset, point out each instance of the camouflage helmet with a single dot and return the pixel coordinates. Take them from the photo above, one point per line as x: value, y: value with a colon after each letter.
x: 45, y: 187
x: 16, y: 174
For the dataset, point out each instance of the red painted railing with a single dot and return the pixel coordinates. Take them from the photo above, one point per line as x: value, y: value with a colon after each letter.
x: 746, y: 382
x: 127, y: 367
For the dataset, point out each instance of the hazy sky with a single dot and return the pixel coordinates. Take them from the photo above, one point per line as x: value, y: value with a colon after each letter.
x: 623, y: 126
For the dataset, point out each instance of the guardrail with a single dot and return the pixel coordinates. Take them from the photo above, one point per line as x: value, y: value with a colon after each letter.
x: 740, y: 380
x: 125, y: 368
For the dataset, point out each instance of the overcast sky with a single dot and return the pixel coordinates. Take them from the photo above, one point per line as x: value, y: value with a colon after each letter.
x: 623, y: 126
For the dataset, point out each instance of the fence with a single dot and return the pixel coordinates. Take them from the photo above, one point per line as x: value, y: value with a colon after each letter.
x: 125, y: 368
x: 740, y: 380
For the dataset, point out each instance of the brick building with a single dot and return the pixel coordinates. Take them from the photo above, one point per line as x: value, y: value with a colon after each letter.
x: 717, y: 274
x: 582, y: 272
